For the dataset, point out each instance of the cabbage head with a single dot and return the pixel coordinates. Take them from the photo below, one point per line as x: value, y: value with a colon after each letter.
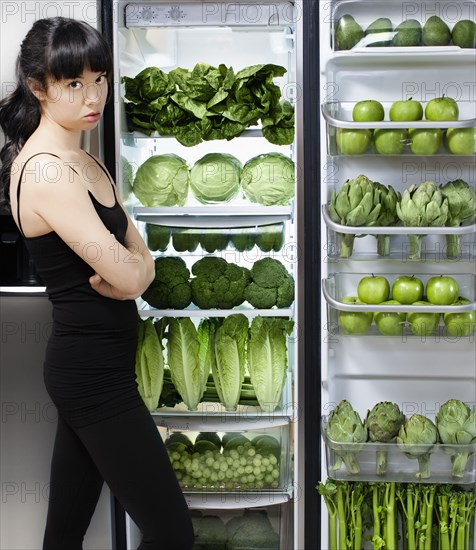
x: 162, y: 180
x: 215, y: 178
x: 269, y: 179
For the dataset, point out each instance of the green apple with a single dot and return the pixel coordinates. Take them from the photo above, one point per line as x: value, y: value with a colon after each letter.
x: 461, y: 141
x: 423, y: 323
x: 442, y: 290
x: 390, y: 323
x: 390, y: 142
x: 368, y: 110
x: 353, y: 142
x: 373, y: 289
x: 462, y: 323
x: 406, y: 109
x: 442, y: 108
x: 407, y: 290
x: 425, y: 141
x: 355, y: 322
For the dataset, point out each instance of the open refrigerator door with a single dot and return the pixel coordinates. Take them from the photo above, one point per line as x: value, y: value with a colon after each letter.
x: 205, y: 156
x: 398, y: 118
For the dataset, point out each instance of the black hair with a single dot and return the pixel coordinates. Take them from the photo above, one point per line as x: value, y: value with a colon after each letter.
x: 55, y: 48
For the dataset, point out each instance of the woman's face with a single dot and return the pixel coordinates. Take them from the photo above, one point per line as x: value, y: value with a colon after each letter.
x: 76, y: 104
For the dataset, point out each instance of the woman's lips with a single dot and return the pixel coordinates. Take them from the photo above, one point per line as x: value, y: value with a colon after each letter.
x: 93, y: 117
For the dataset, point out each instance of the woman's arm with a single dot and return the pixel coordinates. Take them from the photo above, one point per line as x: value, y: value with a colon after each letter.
x: 64, y: 204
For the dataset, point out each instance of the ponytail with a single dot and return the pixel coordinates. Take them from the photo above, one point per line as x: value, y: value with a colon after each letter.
x: 19, y: 118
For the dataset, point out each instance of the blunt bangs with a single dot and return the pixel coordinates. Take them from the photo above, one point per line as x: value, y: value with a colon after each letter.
x: 76, y: 46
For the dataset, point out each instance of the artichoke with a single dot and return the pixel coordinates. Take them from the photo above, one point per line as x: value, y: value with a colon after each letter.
x: 461, y: 209
x: 345, y: 426
x: 356, y: 204
x: 416, y: 438
x: 422, y: 206
x: 388, y: 215
x: 383, y: 423
x: 456, y: 424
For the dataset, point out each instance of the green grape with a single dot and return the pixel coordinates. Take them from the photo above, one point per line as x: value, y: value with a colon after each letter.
x: 251, y: 451
x: 268, y: 479
x: 234, y: 454
x: 256, y: 471
x: 213, y: 477
x: 177, y: 465
x: 216, y: 465
x: 210, y: 461
x: 223, y: 467
x: 251, y: 478
x: 273, y: 459
x: 243, y: 461
x: 257, y: 460
x: 265, y: 461
x: 275, y: 474
x: 248, y: 469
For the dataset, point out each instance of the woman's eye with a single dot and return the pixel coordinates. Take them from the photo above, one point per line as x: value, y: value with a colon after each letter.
x: 101, y: 79
x: 75, y: 85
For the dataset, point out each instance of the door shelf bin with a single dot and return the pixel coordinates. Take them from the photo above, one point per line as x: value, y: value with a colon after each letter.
x: 232, y: 461
x: 339, y: 285
x: 365, y: 12
x: 399, y: 466
x: 243, y: 529
x: 434, y: 242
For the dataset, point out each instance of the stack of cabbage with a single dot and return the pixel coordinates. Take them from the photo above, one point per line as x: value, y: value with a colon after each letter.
x: 165, y: 180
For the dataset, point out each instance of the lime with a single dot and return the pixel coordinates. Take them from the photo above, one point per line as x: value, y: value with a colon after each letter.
x: 464, y: 34
x: 213, y: 437
x: 408, y: 34
x: 436, y: 32
x: 178, y: 437
x: 203, y: 446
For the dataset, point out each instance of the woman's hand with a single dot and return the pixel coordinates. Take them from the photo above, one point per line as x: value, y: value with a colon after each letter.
x: 101, y: 286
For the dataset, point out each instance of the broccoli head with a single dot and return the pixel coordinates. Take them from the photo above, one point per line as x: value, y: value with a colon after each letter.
x: 251, y: 530
x: 271, y: 285
x: 170, y: 288
x: 218, y: 284
x: 210, y: 532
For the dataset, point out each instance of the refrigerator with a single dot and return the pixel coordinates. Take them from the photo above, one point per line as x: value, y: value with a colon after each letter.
x: 244, y: 40
x: 364, y: 56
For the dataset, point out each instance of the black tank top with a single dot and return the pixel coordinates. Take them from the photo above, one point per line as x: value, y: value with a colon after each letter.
x: 59, y: 267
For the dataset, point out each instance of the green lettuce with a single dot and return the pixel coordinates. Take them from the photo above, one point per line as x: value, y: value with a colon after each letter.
x: 268, y: 358
x: 215, y: 178
x: 187, y: 359
x: 149, y: 366
x: 208, y: 103
x: 228, y: 356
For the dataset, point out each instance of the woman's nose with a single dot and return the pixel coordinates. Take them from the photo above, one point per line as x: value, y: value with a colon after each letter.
x: 92, y: 93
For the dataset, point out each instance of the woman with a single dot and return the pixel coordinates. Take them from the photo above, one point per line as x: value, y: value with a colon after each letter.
x: 94, y: 264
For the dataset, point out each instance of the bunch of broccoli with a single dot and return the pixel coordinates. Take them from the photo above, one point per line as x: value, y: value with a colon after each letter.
x: 215, y: 283
x: 271, y: 285
x: 218, y: 283
x: 170, y: 288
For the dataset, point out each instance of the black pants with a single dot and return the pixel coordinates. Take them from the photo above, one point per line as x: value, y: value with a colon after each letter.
x: 127, y: 453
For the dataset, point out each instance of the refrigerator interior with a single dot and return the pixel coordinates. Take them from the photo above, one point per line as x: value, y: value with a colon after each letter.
x: 238, y: 35
x: 417, y: 373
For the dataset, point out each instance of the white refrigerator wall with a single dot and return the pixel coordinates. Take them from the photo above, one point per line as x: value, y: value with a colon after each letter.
x: 28, y: 417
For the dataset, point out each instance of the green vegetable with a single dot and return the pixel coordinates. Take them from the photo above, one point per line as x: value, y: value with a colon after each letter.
x: 422, y: 205
x: 210, y: 532
x: 269, y: 179
x: 358, y: 203
x: 185, y: 240
x: 218, y: 283
x: 212, y: 240
x: 213, y: 437
x: 416, y: 438
x: 461, y: 209
x: 170, y: 288
x: 228, y: 354
x: 127, y: 178
x: 271, y: 285
x: 456, y: 424
x: 157, y: 237
x: 387, y: 215
x: 348, y: 33
x: 209, y: 103
x: 383, y: 423
x: 162, y: 180
x: 188, y: 366
x: 268, y: 359
x: 270, y: 237
x: 345, y: 426
x: 149, y: 365
x: 252, y: 530
x: 243, y: 239
x: 215, y: 178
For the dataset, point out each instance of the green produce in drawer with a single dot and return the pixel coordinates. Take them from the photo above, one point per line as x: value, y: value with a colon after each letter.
x: 270, y: 237
x: 348, y: 33
x: 243, y: 239
x: 213, y: 240
x: 416, y: 439
x: 157, y: 237
x: 185, y: 240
